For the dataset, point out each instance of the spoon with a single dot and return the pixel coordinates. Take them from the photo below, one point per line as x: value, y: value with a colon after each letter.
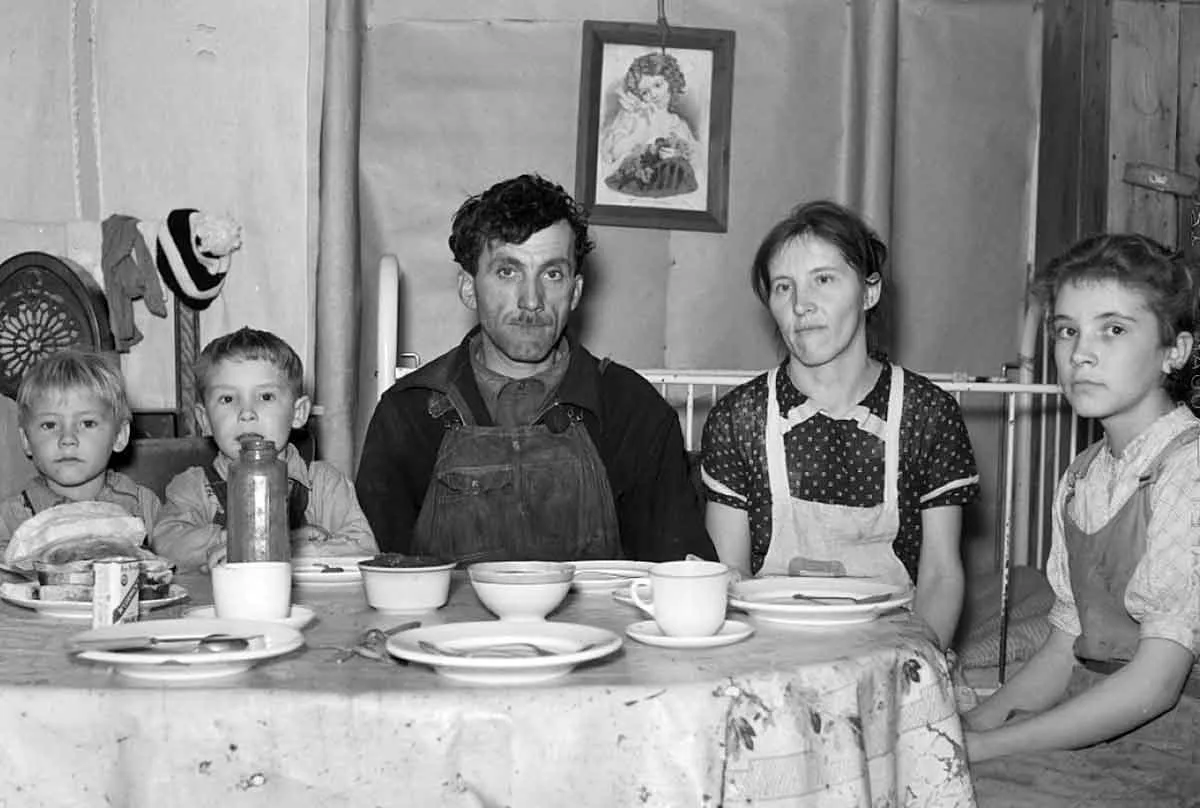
x: 208, y: 643
x: 330, y: 567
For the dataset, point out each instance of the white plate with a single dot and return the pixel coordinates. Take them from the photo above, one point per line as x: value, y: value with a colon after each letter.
x: 605, y: 576
x: 161, y: 666
x: 568, y: 641
x: 300, y: 616
x: 22, y: 594
x: 622, y: 596
x: 771, y: 599
x: 648, y: 632
x: 307, y: 570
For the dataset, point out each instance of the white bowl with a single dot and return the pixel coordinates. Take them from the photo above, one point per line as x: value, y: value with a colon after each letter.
x: 521, y: 590
x: 402, y: 584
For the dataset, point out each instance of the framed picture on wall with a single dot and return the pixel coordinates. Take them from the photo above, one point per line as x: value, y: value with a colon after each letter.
x: 654, y: 119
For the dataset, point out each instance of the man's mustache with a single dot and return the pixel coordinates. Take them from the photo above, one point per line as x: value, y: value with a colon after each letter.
x: 531, y: 319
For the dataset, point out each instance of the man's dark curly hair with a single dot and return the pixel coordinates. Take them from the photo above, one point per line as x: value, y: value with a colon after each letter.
x: 509, y: 213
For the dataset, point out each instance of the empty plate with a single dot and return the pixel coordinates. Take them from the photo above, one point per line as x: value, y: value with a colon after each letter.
x: 821, y: 601
x: 327, y: 570
x: 497, y: 652
x: 605, y: 576
x: 649, y: 633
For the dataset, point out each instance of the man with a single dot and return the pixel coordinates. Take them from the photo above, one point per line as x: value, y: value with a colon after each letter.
x: 519, y: 444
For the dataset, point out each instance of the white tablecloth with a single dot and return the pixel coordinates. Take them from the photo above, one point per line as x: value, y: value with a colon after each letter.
x: 861, y: 716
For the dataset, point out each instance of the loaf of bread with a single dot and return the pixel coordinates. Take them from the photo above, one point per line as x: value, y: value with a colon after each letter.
x: 62, y: 543
x: 72, y: 522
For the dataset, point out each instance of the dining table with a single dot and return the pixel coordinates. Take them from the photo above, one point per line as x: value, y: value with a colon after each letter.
x: 853, y: 715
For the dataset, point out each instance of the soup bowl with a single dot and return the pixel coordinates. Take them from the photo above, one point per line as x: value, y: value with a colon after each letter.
x: 401, y: 584
x: 521, y: 590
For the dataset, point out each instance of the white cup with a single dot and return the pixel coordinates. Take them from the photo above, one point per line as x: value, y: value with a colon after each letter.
x: 252, y: 590
x: 689, y: 597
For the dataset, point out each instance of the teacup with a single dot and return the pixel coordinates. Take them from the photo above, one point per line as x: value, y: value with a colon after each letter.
x: 252, y: 590
x: 689, y: 597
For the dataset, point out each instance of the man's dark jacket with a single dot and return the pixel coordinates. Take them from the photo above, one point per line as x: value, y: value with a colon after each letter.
x: 635, y: 431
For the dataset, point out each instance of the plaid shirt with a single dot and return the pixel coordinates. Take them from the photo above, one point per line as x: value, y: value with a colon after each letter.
x: 1164, y: 591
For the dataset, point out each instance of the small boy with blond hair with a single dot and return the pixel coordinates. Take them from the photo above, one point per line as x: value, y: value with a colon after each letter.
x: 73, y: 415
x: 250, y: 385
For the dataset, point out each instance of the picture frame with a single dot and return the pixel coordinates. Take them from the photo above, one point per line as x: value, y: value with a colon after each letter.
x: 654, y: 126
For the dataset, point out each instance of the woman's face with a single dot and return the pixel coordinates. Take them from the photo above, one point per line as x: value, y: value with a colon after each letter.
x: 819, y: 302
x: 654, y: 90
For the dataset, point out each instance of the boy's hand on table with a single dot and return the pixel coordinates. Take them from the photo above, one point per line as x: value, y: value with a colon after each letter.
x: 218, y: 554
x: 310, y: 534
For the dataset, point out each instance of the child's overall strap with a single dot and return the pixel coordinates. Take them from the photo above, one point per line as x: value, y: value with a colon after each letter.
x: 297, y: 499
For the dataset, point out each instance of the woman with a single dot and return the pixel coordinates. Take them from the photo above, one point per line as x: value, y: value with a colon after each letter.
x: 838, y: 462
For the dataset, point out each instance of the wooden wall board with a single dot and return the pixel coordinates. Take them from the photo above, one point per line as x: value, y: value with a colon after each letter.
x: 1058, y: 168
x: 1143, y: 113
x: 1073, y: 153
x: 1092, y: 214
x: 1189, y: 115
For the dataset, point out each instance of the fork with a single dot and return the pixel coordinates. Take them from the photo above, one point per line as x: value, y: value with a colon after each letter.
x: 454, y: 652
x: 372, y: 644
x: 831, y: 600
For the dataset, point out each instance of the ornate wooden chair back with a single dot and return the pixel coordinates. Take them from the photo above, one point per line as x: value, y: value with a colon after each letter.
x: 46, y: 305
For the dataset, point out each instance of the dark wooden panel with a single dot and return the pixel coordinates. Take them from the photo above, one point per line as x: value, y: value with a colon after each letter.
x: 1058, y: 144
x: 1093, y: 124
x: 1188, y: 154
x: 1143, y: 113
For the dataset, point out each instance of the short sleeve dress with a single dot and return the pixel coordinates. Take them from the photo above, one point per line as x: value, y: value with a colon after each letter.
x: 843, y: 464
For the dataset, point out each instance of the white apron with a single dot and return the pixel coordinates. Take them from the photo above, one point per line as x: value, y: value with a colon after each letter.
x: 810, y: 535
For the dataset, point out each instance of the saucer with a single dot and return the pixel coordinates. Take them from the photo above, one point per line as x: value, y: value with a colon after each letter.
x: 606, y: 576
x: 648, y: 632
x: 300, y: 616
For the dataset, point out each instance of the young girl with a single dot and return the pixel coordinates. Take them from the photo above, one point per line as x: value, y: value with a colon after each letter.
x: 1125, y: 627
x: 647, y: 147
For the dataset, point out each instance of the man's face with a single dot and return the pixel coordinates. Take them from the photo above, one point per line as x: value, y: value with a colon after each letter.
x: 524, y: 295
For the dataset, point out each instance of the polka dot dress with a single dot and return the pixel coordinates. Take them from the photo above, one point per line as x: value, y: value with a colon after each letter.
x: 835, y: 462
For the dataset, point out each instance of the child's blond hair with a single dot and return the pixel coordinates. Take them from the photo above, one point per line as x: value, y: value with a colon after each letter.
x: 69, y: 370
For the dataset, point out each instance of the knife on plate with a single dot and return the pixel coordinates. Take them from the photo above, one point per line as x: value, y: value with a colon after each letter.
x: 209, y: 643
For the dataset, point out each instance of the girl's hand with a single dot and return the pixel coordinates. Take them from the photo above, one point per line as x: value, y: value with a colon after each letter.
x: 986, y: 716
x: 977, y: 746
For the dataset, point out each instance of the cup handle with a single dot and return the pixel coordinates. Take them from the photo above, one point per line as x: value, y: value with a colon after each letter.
x: 634, y: 594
